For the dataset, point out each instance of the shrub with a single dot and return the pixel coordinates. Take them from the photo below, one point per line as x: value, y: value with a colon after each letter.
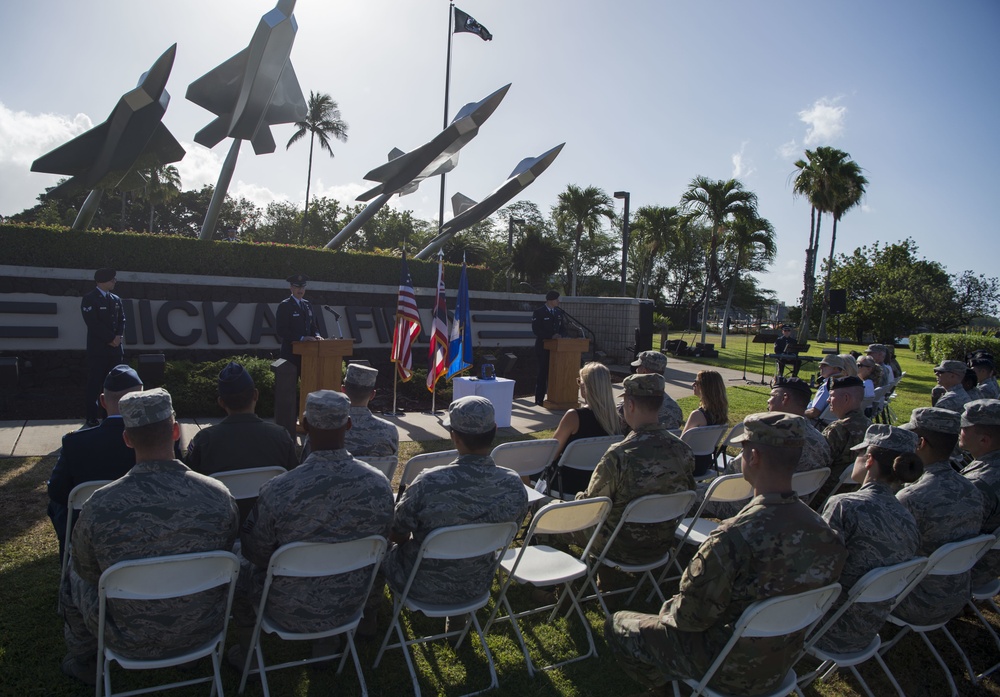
x: 921, y: 345
x: 193, y: 386
x: 955, y: 347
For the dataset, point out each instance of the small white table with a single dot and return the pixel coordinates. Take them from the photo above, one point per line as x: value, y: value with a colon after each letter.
x: 500, y: 392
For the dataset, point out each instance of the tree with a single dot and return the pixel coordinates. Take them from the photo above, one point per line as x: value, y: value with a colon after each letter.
x: 322, y: 121
x: 537, y: 257
x: 653, y: 232
x: 751, y: 241
x: 717, y: 202
x: 163, y: 184
x: 581, y: 210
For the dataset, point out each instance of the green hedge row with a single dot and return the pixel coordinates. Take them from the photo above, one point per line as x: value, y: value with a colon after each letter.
x: 193, y: 387
x: 935, y: 348
x: 30, y: 245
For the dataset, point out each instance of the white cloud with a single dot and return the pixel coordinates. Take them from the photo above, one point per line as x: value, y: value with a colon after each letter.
x: 742, y: 167
x: 260, y: 196
x: 865, y: 208
x: 825, y: 121
x: 199, y: 167
x: 24, y: 137
x: 787, y: 151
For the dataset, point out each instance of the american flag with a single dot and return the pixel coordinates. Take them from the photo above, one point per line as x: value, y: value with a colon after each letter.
x: 407, y: 325
x: 437, y: 357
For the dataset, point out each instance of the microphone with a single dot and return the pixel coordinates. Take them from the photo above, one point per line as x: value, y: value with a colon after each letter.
x: 336, y: 317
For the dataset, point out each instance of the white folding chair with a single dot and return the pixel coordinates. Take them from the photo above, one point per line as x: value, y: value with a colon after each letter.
x: 583, y: 454
x: 986, y: 593
x: 418, y: 463
x: 542, y: 566
x: 845, y: 478
x: 450, y: 543
x: 80, y: 494
x: 947, y: 560
x: 704, y: 440
x: 316, y: 560
x: 161, y: 578
x: 727, y: 442
x: 526, y: 458
x: 807, y: 483
x: 386, y: 464
x: 877, y: 586
x: 778, y: 616
x: 654, y: 509
x: 246, y: 483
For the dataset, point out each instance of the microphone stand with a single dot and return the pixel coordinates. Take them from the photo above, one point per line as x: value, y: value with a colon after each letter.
x: 336, y: 317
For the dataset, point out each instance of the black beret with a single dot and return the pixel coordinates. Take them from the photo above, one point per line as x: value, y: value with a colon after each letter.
x: 848, y: 381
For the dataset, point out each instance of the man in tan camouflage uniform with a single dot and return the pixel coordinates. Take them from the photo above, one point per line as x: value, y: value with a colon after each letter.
x: 775, y: 546
x: 331, y: 497
x: 846, y: 396
x: 159, y: 508
x: 648, y: 461
x: 949, y: 375
x: 369, y: 435
x: 947, y: 508
x: 670, y: 414
x: 877, y: 531
x: 472, y: 489
x: 980, y: 436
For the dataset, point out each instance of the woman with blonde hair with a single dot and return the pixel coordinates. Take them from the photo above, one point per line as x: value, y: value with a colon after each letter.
x: 850, y: 365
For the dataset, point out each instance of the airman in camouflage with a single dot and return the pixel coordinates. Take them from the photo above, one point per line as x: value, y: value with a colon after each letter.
x: 949, y: 376
x: 159, y: 508
x: 846, y: 396
x: 369, y: 435
x: 775, y: 546
x: 877, y: 530
x: 649, y: 461
x: 980, y: 436
x: 472, y: 489
x: 947, y: 508
x: 986, y: 375
x: 670, y: 414
x: 331, y: 497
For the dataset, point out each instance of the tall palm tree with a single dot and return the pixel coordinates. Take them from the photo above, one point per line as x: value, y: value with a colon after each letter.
x: 717, y: 202
x: 581, y: 209
x: 163, y: 184
x: 750, y: 240
x: 322, y: 122
x: 654, y: 230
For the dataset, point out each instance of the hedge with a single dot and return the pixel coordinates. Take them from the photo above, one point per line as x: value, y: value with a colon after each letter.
x: 951, y: 347
x: 193, y: 387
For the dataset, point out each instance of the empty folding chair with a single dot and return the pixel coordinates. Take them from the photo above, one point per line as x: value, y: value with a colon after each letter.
x: 703, y: 441
x: 316, y: 560
x: 727, y: 442
x: 947, y: 560
x: 161, y: 578
x: 778, y: 616
x: 386, y: 464
x: 527, y: 458
x: 453, y: 543
x: 582, y: 454
x: 877, y: 586
x: 418, y: 463
x: 807, y: 483
x: 543, y: 566
x: 245, y: 484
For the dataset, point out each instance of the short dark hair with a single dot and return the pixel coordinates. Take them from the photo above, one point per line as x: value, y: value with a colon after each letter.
x: 941, y: 444
x: 780, y: 456
x: 477, y: 441
x: 237, y: 401
x: 647, y: 403
x: 151, y: 435
x: 357, y: 392
x: 991, y: 431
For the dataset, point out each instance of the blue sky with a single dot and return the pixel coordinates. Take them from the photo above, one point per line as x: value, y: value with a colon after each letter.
x: 647, y: 94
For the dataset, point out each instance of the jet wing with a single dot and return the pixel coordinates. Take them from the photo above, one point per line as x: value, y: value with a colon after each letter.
x: 218, y: 89
x: 165, y: 146
x: 288, y: 105
x: 76, y: 156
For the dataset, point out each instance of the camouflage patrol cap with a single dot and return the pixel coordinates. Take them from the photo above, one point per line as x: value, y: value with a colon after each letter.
x: 876, y: 348
x: 774, y: 428
x: 653, y: 361
x: 234, y: 379
x: 956, y: 367
x: 934, y: 419
x: 890, y: 438
x: 144, y: 408
x: 327, y: 410
x: 982, y: 412
x: 834, y: 361
x: 121, y: 378
x: 472, y: 415
x: 360, y: 375
x: 645, y: 385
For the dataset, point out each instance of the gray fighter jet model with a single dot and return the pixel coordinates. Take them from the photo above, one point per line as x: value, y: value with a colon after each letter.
x: 468, y: 212
x: 256, y: 88
x: 132, y: 138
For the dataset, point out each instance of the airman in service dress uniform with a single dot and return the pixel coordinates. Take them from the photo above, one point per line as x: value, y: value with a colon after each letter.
x: 295, y: 319
x: 546, y: 323
x: 104, y: 315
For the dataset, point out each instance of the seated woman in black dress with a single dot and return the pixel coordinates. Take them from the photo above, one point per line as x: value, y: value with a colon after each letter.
x: 710, y: 389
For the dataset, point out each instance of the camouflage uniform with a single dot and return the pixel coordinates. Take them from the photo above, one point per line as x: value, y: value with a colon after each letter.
x: 775, y: 546
x: 954, y: 399
x: 877, y: 531
x: 984, y: 473
x: 470, y: 490
x: 987, y: 389
x: 370, y: 435
x: 842, y: 435
x: 670, y: 415
x: 648, y: 461
x: 331, y: 497
x: 947, y: 508
x: 159, y: 508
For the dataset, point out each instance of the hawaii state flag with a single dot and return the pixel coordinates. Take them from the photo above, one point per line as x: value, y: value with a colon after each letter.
x: 437, y: 357
x: 407, y: 325
x: 460, y: 338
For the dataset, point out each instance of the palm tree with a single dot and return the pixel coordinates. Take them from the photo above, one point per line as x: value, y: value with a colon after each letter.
x: 322, y: 121
x: 751, y: 242
x: 582, y: 209
x: 654, y: 230
x: 717, y: 202
x: 849, y: 188
x: 163, y: 184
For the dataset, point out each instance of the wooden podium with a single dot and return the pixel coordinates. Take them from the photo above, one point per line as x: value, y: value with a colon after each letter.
x: 322, y: 365
x: 564, y: 369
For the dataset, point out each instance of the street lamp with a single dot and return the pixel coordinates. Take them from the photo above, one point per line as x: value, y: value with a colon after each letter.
x: 511, y: 222
x: 624, y: 195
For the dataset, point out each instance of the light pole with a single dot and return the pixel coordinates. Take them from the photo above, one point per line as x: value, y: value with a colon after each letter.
x: 624, y: 195
x: 511, y: 222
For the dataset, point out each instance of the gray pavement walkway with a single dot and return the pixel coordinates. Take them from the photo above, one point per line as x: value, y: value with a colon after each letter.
x: 42, y: 438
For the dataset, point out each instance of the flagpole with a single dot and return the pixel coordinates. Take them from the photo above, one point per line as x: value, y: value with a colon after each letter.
x: 447, y: 87
x: 395, y: 378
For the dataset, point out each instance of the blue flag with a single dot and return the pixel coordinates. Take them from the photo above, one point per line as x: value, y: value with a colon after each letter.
x: 460, y: 336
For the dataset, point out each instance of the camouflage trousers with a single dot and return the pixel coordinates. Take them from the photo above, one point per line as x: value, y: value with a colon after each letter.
x: 646, y: 651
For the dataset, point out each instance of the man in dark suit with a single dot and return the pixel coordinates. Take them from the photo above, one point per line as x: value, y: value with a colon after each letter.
x: 547, y: 322
x: 295, y: 320
x: 104, y: 316
x: 93, y: 453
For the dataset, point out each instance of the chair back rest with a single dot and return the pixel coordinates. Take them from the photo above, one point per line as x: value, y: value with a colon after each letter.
x: 246, y: 483
x: 467, y: 541
x: 807, y: 483
x: 704, y: 439
x: 526, y: 457
x: 729, y: 488
x: 735, y: 431
x: 418, y: 463
x: 658, y: 508
x: 386, y: 464
x: 159, y: 578
x: 81, y: 493
x: 562, y: 517
x: 886, y: 582
x: 958, y: 557
x: 312, y: 559
x: 786, y: 614
x: 584, y: 454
